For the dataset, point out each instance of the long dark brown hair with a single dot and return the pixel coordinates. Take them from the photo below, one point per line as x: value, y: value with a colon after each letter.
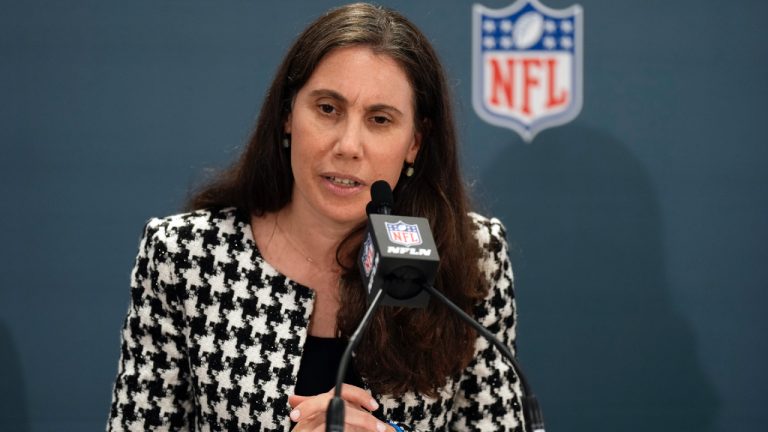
x: 403, y: 349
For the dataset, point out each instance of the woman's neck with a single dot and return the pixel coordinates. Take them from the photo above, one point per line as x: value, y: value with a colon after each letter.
x: 315, y: 238
x: 302, y: 246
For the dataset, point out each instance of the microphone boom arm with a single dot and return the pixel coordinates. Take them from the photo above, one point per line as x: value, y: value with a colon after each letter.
x: 531, y: 410
x: 334, y: 417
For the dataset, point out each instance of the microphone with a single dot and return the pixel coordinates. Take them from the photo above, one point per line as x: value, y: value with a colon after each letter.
x: 397, y: 273
x: 399, y: 255
x: 382, y: 199
x: 392, y: 270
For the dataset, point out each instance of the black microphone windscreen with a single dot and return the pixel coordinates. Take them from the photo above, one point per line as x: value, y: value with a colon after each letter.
x: 381, y: 194
x: 371, y: 208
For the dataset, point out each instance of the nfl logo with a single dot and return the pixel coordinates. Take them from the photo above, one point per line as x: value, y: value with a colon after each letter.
x: 527, y: 65
x: 403, y: 234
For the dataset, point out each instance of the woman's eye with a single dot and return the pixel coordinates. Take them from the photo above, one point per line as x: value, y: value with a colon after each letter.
x: 327, y: 108
x: 381, y: 120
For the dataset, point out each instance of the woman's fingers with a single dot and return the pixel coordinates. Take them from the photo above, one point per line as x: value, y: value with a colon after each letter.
x: 309, y: 411
x: 354, y: 420
x: 309, y: 405
x: 294, y: 400
x: 362, y: 420
x: 358, y: 396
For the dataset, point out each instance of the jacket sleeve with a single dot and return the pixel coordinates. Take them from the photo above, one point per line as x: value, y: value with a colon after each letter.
x: 152, y: 390
x: 489, y: 394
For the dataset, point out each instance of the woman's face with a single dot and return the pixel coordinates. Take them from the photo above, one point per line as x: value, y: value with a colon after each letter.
x: 351, y: 124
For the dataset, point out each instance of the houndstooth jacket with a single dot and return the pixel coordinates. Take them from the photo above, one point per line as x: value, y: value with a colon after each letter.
x: 214, y: 336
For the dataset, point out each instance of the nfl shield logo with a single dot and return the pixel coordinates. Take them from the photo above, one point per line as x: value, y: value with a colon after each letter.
x: 527, y: 65
x: 403, y: 234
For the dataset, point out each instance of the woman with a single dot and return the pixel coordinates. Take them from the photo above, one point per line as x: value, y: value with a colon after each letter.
x: 240, y: 308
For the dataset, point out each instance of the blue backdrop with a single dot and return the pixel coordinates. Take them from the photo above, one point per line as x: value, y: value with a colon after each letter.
x: 638, y: 232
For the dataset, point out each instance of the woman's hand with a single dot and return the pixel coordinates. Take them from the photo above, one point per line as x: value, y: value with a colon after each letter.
x: 309, y: 411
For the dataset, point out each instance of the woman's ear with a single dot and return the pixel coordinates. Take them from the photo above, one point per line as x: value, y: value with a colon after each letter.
x: 422, y: 128
x: 413, y: 150
x: 287, y: 125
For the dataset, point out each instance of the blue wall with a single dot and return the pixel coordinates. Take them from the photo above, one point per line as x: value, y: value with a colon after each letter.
x: 638, y: 231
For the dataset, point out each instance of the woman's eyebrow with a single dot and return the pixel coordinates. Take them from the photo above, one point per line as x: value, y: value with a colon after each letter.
x: 384, y: 107
x: 337, y: 96
x: 328, y: 93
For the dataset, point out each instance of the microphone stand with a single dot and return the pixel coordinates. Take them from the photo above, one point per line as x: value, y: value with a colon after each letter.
x: 334, y: 420
x: 334, y: 417
x: 531, y: 410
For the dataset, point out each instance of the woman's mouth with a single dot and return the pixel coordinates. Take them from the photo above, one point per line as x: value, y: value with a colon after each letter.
x: 340, y: 181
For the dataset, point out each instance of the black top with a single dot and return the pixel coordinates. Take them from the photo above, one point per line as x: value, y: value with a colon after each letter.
x: 319, y: 366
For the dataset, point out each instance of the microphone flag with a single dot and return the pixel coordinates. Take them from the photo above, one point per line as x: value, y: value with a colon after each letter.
x: 399, y: 256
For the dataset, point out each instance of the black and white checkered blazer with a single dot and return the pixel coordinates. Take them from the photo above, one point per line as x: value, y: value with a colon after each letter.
x: 214, y: 337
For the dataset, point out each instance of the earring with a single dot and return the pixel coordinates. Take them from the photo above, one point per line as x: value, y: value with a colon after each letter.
x: 409, y: 171
x: 287, y: 141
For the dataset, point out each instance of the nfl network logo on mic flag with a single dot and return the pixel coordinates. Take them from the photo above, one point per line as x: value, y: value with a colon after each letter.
x: 527, y: 65
x: 403, y: 234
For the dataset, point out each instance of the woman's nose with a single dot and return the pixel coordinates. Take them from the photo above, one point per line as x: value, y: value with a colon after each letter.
x: 349, y: 143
